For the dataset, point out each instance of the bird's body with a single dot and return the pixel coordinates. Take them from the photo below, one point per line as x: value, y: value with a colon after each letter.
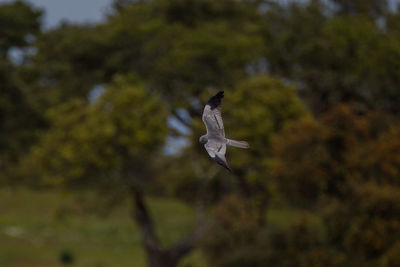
x: 215, y: 141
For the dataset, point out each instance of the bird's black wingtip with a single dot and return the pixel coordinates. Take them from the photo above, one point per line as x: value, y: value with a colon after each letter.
x: 222, y: 163
x: 220, y: 94
x: 215, y: 101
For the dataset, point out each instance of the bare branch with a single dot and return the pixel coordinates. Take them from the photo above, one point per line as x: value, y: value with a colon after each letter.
x: 146, y: 226
x: 181, y: 119
x: 185, y: 245
x: 180, y: 249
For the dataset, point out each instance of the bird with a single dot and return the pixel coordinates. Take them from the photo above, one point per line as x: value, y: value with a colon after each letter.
x: 214, y: 140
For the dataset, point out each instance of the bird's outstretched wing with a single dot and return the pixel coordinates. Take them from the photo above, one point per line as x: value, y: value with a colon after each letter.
x: 217, y: 151
x: 212, y: 116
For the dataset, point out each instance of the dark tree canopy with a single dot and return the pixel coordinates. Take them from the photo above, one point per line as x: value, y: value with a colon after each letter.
x: 19, y: 23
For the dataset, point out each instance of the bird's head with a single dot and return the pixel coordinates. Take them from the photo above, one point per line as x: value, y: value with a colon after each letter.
x: 203, y: 139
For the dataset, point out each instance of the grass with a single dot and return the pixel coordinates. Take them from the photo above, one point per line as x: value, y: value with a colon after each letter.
x: 37, y: 228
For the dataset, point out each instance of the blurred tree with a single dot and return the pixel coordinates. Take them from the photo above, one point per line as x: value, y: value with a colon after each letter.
x: 19, y: 23
x: 98, y: 138
x: 19, y: 121
x: 66, y: 65
x: 257, y: 110
x: 344, y: 166
x: 178, y: 47
x: 373, y: 8
x: 335, y: 58
x: 236, y: 239
x: 235, y: 229
x: 110, y: 143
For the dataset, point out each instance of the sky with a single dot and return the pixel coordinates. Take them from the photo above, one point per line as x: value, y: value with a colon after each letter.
x: 76, y: 11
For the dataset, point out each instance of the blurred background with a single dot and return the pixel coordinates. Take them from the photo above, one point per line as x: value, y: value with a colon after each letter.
x: 100, y: 115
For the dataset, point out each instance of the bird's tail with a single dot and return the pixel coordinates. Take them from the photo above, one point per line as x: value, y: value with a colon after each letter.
x: 241, y: 144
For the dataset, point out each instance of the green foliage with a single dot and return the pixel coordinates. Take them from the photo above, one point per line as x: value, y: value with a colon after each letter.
x: 344, y: 166
x: 258, y: 109
x: 18, y: 126
x: 323, y: 154
x: 236, y: 239
x: 347, y: 58
x: 125, y: 126
x: 260, y: 99
x: 176, y: 51
x: 257, y: 99
x: 234, y: 230
x: 368, y: 227
x: 19, y: 121
x: 66, y: 65
x: 18, y: 21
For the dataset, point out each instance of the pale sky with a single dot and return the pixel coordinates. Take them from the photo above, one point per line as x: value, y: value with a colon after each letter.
x: 71, y: 10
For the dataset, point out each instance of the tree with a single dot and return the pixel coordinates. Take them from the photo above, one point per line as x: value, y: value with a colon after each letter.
x: 338, y: 172
x: 373, y: 8
x: 19, y: 121
x: 204, y: 45
x: 110, y: 143
x: 334, y: 57
x: 258, y: 109
x: 178, y: 56
x: 236, y: 239
x: 343, y: 166
x: 19, y: 23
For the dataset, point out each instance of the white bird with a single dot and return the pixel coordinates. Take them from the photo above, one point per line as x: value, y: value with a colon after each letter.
x: 214, y: 141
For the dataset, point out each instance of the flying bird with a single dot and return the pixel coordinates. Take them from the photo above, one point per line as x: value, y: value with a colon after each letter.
x: 215, y: 141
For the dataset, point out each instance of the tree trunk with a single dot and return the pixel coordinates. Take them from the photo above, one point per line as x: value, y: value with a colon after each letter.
x: 158, y: 257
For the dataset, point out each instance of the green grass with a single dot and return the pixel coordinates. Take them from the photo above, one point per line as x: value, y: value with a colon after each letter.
x: 36, y: 227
